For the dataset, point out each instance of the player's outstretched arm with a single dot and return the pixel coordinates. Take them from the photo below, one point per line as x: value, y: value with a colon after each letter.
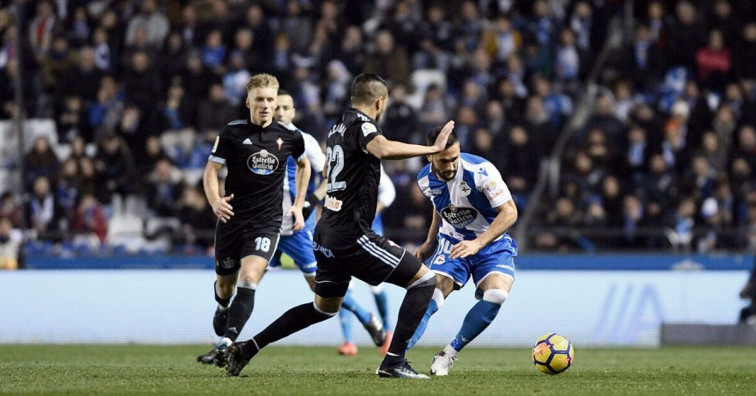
x: 302, y: 178
x: 426, y: 249
x: 221, y: 206
x: 383, y: 148
x: 506, y: 217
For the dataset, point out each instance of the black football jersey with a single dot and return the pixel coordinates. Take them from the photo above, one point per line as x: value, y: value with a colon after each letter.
x: 353, y: 176
x: 256, y: 161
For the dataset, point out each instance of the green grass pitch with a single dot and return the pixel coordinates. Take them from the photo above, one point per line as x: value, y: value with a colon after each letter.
x: 161, y: 370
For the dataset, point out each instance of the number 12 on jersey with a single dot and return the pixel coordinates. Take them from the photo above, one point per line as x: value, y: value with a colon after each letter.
x: 335, y: 166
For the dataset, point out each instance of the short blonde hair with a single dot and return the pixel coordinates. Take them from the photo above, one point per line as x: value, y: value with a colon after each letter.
x: 262, y: 80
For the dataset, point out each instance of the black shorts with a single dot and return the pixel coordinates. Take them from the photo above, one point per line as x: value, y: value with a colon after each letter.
x: 371, y: 258
x: 233, y: 244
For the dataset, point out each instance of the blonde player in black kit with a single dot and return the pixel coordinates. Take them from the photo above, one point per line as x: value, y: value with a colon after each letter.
x: 255, y: 151
x: 344, y: 244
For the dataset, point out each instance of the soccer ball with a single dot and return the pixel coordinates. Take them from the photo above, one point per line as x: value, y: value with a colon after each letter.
x: 552, y: 354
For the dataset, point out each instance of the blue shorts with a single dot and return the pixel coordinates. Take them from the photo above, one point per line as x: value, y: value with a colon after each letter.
x: 498, y: 256
x: 299, y: 247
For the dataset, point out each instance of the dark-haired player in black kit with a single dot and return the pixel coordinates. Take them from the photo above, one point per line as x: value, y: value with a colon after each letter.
x: 255, y: 151
x: 344, y: 244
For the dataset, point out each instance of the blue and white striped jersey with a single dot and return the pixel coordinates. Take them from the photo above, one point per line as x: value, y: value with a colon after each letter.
x: 317, y: 161
x: 466, y: 203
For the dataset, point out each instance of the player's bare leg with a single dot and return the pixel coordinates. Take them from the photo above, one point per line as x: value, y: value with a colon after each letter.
x: 492, y: 291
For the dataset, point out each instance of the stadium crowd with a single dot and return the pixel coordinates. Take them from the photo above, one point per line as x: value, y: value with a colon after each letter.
x: 138, y: 90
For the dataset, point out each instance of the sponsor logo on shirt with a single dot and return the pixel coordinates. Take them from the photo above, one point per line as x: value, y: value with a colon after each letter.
x: 279, y: 141
x: 459, y: 217
x: 262, y: 163
x: 332, y: 203
x: 436, y: 192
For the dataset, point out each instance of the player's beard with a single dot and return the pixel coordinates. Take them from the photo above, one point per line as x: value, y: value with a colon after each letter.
x: 444, y: 175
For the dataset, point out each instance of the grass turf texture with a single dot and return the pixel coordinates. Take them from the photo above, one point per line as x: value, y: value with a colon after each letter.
x: 144, y: 369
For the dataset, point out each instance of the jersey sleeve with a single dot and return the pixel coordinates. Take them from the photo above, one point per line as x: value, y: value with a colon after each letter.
x: 298, y: 146
x: 423, y: 182
x: 368, y: 132
x: 221, y: 148
x: 314, y: 153
x: 489, y: 182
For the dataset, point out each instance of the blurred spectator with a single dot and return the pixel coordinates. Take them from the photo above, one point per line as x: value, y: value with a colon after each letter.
x: 78, y: 27
x: 388, y: 60
x: 67, y: 187
x: 163, y: 189
x: 105, y: 114
x: 197, y: 219
x: 685, y: 35
x: 173, y: 57
x: 105, y: 56
x: 563, y: 215
x: 435, y: 108
x: 10, y: 244
x: 518, y: 166
x: 744, y: 56
x: 89, y: 225
x: 215, y: 110
x: 683, y: 223
x: 400, y: 121
x: 114, y: 168
x: 43, y: 211
x: 73, y: 121
x: 141, y: 85
x: 41, y: 161
x: 83, y: 80
x: 235, y: 80
x: 42, y: 27
x: 297, y: 26
x: 714, y: 61
x: 538, y: 125
x: 10, y: 208
x: 213, y: 52
x: 336, y: 90
x: 436, y: 35
x: 641, y: 60
x: 352, y: 51
x: 175, y: 110
x: 151, y: 21
x: 745, y: 145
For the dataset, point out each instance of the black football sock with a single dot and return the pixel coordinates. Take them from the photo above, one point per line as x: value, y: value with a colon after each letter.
x: 410, y: 313
x: 240, y: 310
x: 290, y: 322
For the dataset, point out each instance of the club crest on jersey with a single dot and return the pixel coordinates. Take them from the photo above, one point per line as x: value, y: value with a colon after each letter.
x: 458, y: 217
x: 279, y: 141
x: 464, y: 188
x: 262, y: 162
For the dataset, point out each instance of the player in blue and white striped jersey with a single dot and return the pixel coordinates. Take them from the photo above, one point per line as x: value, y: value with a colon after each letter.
x: 473, y: 208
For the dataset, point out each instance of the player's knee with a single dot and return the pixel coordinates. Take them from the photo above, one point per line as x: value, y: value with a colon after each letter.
x: 426, y: 281
x: 326, y: 311
x: 496, y: 296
